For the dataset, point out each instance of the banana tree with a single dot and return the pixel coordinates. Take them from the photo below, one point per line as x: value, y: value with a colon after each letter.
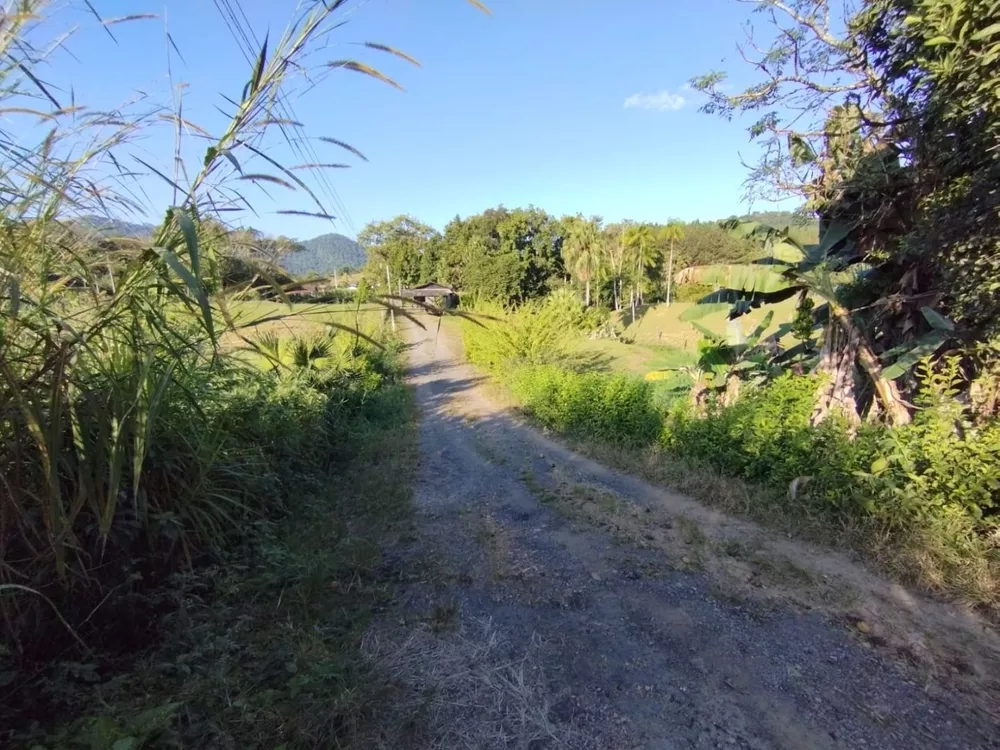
x: 787, y: 268
x: 727, y: 361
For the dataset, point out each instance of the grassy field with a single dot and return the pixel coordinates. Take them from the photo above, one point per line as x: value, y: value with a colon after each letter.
x: 303, y: 317
x: 661, y: 340
x: 255, y: 318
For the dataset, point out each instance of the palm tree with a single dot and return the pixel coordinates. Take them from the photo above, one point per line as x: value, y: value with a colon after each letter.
x: 615, y: 250
x: 671, y: 233
x: 643, y: 255
x: 582, y: 251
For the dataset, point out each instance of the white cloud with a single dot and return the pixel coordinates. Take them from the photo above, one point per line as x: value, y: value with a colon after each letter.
x: 661, y: 101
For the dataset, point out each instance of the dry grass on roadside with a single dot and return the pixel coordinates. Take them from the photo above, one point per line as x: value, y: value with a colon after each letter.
x: 460, y: 690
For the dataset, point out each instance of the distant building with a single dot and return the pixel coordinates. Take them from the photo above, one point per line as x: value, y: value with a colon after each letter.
x: 308, y: 289
x: 444, y: 296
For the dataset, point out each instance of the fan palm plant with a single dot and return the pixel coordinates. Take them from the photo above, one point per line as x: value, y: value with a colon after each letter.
x: 582, y: 249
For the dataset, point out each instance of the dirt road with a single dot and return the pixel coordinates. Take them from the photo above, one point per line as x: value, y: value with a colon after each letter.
x: 549, y: 602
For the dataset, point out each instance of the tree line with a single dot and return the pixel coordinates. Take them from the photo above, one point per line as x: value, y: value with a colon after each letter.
x: 516, y: 255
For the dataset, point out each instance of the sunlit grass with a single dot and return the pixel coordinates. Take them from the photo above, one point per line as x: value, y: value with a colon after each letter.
x: 254, y: 318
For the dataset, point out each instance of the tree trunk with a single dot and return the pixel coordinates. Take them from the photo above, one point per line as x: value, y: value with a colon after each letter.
x: 670, y: 272
x: 632, y: 301
x: 837, y: 361
x: 588, y: 293
x: 732, y: 390
x: 844, y: 344
x: 887, y: 392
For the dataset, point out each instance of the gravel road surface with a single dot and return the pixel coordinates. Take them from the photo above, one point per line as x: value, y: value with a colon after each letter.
x: 550, y: 602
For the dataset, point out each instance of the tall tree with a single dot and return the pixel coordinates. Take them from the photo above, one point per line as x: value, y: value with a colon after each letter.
x: 616, y: 257
x: 502, y: 254
x: 394, y: 249
x: 885, y: 116
x: 671, y: 234
x: 582, y: 252
x: 645, y: 257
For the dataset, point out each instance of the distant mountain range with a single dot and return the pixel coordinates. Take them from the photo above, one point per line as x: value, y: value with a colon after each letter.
x: 323, y: 255
x: 116, y: 227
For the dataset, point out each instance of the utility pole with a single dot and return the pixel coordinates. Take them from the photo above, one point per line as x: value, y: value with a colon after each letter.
x: 388, y: 289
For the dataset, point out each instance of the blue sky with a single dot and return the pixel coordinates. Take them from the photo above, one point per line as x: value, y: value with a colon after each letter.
x: 570, y: 105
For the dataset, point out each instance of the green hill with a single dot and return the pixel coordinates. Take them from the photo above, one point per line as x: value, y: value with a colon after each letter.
x: 323, y: 255
x: 110, y: 227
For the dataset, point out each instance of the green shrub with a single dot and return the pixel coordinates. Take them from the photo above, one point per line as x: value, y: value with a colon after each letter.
x: 904, y: 476
x: 532, y: 334
x: 616, y: 408
x: 938, y: 464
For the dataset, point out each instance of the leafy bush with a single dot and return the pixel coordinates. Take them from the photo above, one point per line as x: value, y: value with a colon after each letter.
x: 765, y: 436
x: 904, y: 476
x: 532, y: 334
x: 616, y: 408
x: 565, y: 305
x: 941, y: 462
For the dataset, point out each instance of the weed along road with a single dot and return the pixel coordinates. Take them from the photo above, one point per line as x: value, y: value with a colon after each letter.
x: 555, y: 603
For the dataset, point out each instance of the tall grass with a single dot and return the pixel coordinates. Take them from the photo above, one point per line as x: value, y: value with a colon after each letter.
x: 118, y: 456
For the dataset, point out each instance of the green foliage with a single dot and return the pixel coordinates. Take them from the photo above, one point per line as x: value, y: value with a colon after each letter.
x: 261, y: 645
x: 399, y: 245
x: 766, y: 437
x: 940, y: 463
x: 937, y: 62
x: 616, y: 408
x: 803, y: 323
x: 505, y: 255
x: 135, y: 446
x: 904, y: 476
x: 565, y: 305
x: 902, y: 150
x: 746, y: 357
x: 531, y: 334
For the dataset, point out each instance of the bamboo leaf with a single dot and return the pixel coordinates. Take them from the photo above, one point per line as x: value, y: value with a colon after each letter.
x: 193, y: 284
x: 991, y: 30
x: 311, y: 214
x: 267, y: 178
x: 321, y: 166
x: 258, y: 72
x: 126, y: 19
x: 191, y: 240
